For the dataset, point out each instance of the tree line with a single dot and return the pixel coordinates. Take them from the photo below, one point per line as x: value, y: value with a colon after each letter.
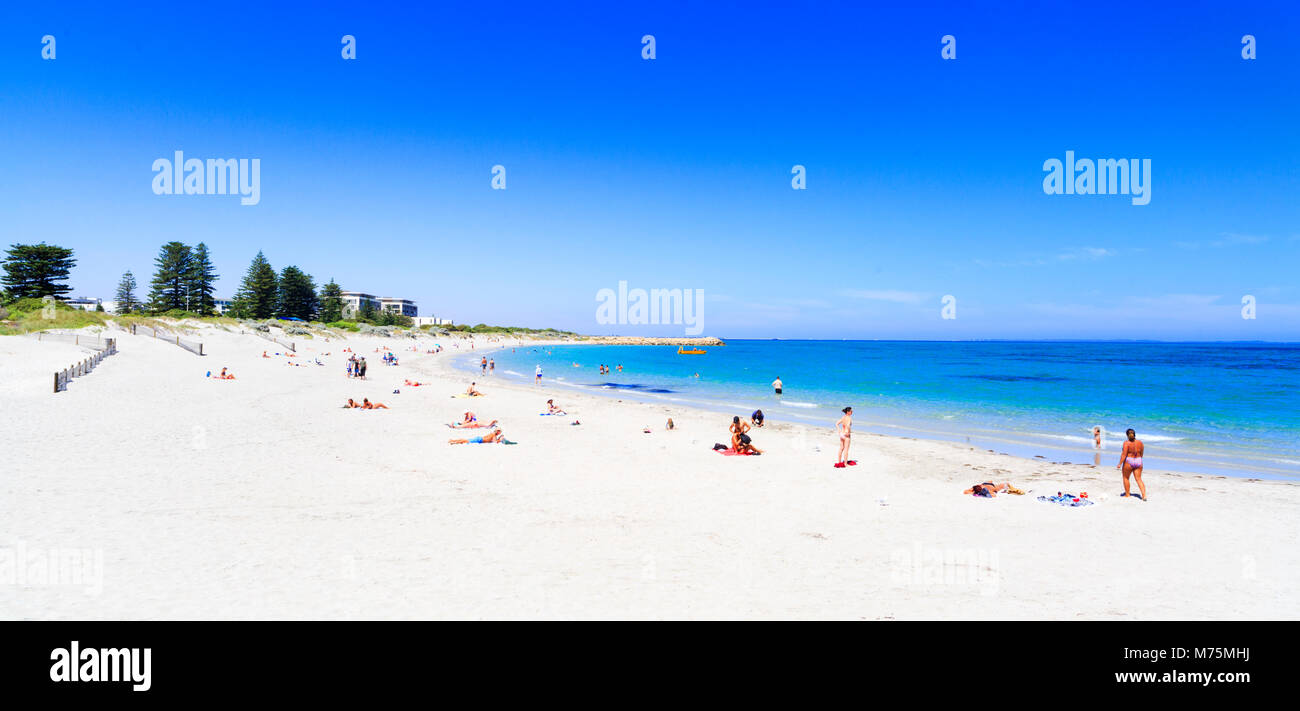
x: 183, y: 284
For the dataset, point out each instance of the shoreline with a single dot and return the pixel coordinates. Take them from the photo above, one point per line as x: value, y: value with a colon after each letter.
x: 903, y: 428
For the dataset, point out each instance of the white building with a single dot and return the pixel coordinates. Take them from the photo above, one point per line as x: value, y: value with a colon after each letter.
x: 354, y: 302
x: 430, y: 321
x: 83, y: 303
x: 221, y: 306
x: 405, y: 307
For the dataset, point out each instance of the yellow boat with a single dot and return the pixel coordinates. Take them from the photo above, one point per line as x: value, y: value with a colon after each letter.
x: 693, y: 351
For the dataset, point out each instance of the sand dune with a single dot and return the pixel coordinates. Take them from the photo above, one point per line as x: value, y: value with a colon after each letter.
x: 259, y: 498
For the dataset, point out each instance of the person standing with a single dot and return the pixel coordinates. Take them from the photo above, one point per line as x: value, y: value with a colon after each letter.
x: 538, y: 372
x: 844, y: 427
x: 363, y: 367
x: 492, y: 366
x: 776, y: 385
x: 1130, y: 462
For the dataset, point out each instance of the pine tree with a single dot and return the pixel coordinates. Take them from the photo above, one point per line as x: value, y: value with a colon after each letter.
x: 258, y: 291
x: 126, y: 302
x: 367, y: 311
x: 297, y: 297
x: 32, y: 270
x: 169, y: 288
x: 199, y: 282
x: 331, y: 302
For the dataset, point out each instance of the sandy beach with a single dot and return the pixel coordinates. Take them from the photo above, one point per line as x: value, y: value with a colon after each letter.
x: 261, y: 498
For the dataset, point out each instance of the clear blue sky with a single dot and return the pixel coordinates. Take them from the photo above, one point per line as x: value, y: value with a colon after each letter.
x: 924, y: 175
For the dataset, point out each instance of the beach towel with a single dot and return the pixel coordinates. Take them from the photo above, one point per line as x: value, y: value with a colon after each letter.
x: 729, y: 452
x: 1066, y: 500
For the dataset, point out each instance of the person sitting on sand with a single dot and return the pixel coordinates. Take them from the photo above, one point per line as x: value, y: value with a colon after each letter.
x: 471, y: 425
x: 473, y: 391
x: 493, y: 437
x: 1130, y: 462
x: 757, y: 418
x: 670, y: 424
x: 990, y: 490
x: 551, y: 409
x: 367, y: 405
x: 740, y: 441
x: 264, y: 355
x: 225, y: 376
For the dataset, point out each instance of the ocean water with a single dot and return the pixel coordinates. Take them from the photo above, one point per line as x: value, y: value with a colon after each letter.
x: 1221, y: 408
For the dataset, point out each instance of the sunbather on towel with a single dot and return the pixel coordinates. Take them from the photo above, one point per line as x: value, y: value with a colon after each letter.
x: 471, y: 425
x: 990, y: 490
x: 492, y: 437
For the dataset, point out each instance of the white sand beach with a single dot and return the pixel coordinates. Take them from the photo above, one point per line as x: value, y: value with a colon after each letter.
x: 261, y: 498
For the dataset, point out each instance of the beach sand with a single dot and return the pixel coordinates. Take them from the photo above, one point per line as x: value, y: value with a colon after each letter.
x: 260, y: 498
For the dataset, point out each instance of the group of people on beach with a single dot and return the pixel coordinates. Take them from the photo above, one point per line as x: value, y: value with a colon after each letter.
x: 357, y: 367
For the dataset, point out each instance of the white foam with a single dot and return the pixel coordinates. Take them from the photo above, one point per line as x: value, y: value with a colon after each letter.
x: 796, y: 403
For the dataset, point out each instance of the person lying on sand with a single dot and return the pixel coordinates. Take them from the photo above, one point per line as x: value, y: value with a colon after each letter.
x: 367, y: 405
x: 990, y: 490
x: 471, y: 425
x: 492, y: 437
x: 415, y: 384
x: 350, y: 404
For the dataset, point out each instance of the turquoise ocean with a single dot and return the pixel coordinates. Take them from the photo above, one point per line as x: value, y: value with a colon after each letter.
x: 1217, y: 408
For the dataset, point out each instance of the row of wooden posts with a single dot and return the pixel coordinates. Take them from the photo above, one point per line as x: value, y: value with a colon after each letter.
x: 77, y: 370
x: 191, y: 346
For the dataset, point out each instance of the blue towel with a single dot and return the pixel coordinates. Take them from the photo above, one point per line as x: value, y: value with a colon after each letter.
x: 1065, y: 500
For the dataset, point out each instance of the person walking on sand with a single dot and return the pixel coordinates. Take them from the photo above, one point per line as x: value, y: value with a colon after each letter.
x: 776, y: 385
x: 1130, y: 462
x: 844, y: 427
x: 483, y: 365
x: 492, y: 366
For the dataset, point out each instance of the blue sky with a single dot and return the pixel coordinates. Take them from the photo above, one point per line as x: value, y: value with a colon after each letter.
x: 924, y: 176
